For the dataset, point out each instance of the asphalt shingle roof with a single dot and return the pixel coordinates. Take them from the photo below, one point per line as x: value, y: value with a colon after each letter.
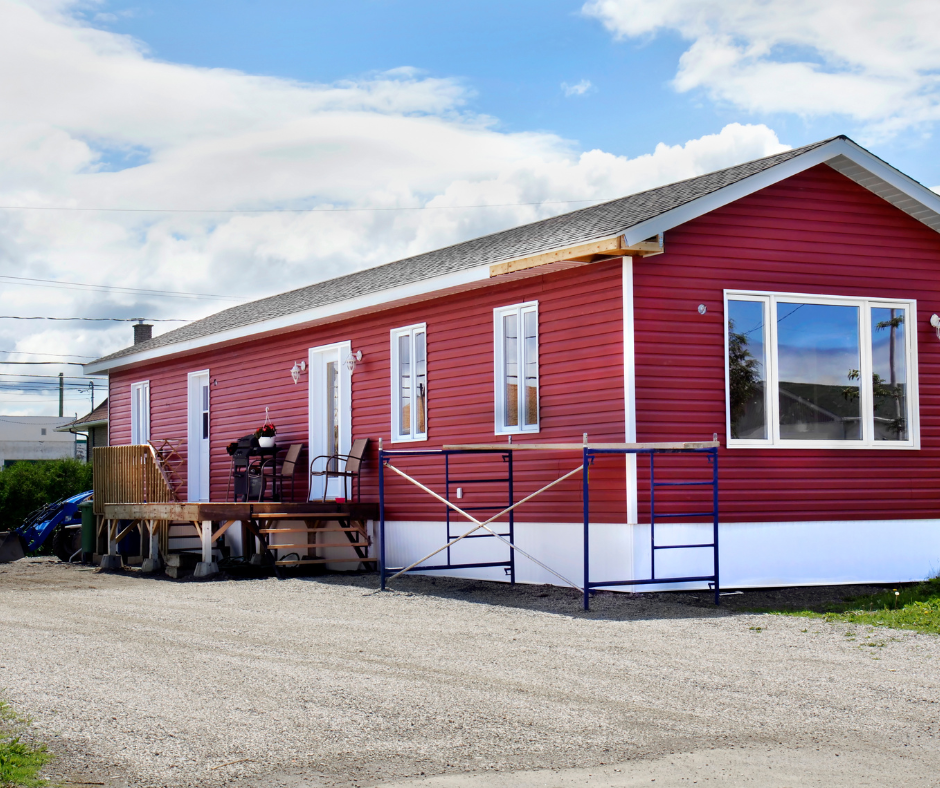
x: 567, y: 229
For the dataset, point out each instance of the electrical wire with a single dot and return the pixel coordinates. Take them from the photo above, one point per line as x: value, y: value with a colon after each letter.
x: 101, y: 319
x: 52, y: 355
x: 45, y: 363
x: 296, y: 210
x: 53, y: 377
x: 31, y: 281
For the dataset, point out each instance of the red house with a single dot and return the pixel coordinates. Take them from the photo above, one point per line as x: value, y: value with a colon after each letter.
x: 784, y: 304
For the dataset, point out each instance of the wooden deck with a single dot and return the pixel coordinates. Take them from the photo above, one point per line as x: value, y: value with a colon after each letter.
x: 261, y: 520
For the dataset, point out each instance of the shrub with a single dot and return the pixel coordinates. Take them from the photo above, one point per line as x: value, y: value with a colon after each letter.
x: 26, y: 486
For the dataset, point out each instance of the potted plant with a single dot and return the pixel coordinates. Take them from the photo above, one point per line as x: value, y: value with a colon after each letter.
x: 266, y: 433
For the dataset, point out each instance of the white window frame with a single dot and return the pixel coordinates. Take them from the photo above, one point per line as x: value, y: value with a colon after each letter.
x: 499, y: 421
x: 771, y: 402
x: 399, y: 433
x: 140, y: 394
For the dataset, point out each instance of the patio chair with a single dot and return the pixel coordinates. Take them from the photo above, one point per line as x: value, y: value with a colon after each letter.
x: 286, y: 471
x: 351, y: 470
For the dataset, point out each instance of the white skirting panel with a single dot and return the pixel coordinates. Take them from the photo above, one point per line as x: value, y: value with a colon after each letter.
x: 752, y: 555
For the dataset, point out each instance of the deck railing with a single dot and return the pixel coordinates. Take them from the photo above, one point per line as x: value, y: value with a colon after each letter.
x: 129, y: 474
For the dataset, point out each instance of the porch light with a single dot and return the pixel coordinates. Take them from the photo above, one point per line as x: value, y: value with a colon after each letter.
x: 297, y: 369
x: 352, y: 359
x: 935, y: 323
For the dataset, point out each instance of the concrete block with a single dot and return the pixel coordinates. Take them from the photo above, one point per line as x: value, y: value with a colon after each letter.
x: 150, y: 565
x: 177, y: 572
x: 206, y: 569
x: 183, y: 560
x: 112, y: 562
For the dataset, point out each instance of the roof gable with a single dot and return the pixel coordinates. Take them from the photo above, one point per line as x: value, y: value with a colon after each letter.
x: 636, y: 217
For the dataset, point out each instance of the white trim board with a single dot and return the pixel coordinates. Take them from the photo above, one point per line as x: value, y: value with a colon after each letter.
x: 843, y: 155
x: 751, y: 555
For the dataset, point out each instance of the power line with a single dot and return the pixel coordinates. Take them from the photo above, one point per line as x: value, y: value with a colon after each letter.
x: 102, y: 319
x: 297, y: 210
x: 31, y: 282
x: 53, y: 377
x: 53, y: 355
x: 45, y: 363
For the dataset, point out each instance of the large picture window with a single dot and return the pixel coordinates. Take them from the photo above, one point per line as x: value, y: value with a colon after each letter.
x: 410, y: 383
x: 516, y: 335
x: 825, y: 372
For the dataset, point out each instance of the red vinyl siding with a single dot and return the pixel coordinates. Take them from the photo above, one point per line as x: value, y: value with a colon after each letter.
x: 814, y: 233
x: 581, y: 390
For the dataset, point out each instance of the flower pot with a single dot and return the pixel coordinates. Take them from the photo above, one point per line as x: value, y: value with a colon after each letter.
x: 266, y: 443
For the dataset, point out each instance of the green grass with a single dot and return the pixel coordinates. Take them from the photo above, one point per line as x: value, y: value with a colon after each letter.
x: 914, y: 607
x: 20, y: 761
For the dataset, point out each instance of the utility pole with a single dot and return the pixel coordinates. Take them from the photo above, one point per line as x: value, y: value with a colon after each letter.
x: 61, y: 395
x: 92, y: 395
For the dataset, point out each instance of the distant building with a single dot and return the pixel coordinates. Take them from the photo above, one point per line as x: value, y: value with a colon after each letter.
x: 94, y: 426
x: 31, y: 438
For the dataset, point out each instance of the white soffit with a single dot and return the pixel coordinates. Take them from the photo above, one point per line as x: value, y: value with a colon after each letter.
x: 891, y: 192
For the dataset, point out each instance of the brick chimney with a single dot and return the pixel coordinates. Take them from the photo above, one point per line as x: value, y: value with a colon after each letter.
x: 142, y: 332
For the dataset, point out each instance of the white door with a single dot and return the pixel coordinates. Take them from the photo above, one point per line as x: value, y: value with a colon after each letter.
x: 198, y: 462
x: 330, y: 412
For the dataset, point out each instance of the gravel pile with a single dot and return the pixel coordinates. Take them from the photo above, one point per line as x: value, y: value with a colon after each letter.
x: 325, y: 682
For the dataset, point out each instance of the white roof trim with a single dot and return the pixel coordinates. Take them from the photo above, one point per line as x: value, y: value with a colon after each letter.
x: 842, y: 155
x: 380, y: 298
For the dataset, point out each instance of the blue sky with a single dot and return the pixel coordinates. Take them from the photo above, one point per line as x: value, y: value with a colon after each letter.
x: 244, y: 105
x: 513, y: 56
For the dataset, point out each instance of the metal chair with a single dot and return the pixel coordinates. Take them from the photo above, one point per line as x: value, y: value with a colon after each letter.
x: 351, y: 470
x: 286, y: 471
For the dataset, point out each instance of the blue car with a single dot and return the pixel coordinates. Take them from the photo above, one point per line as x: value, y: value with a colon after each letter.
x: 62, y: 520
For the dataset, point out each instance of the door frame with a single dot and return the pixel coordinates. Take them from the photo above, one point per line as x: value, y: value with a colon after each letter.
x: 196, y: 473
x: 317, y: 357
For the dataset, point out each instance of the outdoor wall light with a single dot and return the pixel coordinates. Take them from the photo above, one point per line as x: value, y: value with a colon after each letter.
x: 352, y: 359
x: 935, y: 323
x: 297, y: 369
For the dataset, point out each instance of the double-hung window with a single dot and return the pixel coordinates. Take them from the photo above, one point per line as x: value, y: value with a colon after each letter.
x: 516, y: 334
x: 807, y: 371
x: 410, y: 383
x: 140, y: 412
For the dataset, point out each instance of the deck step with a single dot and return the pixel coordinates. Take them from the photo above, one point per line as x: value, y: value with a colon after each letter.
x: 326, y: 561
x: 301, y: 516
x: 311, y: 545
x: 325, y: 530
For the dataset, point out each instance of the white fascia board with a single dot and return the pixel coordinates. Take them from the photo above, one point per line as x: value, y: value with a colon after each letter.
x: 381, y: 299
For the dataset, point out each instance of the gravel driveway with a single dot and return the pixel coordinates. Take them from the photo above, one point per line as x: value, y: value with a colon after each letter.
x: 452, y: 684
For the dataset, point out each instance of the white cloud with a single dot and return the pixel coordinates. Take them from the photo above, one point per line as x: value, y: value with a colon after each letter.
x: 79, y: 103
x: 584, y: 86
x: 874, y: 61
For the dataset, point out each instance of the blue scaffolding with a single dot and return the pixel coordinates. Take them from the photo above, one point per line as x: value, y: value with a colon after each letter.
x: 386, y: 457
x: 711, y: 453
x: 589, y: 454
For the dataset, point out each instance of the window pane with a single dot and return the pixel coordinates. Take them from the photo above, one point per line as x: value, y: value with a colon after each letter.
x: 511, y: 368
x: 889, y: 373
x: 747, y: 369
x: 421, y: 381
x: 531, y: 368
x: 404, y: 384
x: 332, y: 413
x: 819, y: 362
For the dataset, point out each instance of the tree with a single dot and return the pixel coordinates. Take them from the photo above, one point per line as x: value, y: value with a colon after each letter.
x: 743, y: 375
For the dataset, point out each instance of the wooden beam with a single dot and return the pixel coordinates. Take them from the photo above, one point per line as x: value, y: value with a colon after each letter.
x: 583, y: 253
x: 581, y: 250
